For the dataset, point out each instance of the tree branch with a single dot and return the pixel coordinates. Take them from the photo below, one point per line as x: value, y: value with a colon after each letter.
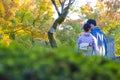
x: 53, y: 1
x: 62, y: 4
x: 59, y: 20
x: 71, y: 2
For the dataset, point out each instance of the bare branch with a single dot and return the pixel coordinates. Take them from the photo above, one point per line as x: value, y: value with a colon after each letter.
x: 60, y: 2
x: 63, y: 4
x: 71, y: 2
x: 53, y: 1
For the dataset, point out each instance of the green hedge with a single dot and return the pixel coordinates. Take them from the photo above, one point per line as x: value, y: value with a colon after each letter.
x: 62, y: 63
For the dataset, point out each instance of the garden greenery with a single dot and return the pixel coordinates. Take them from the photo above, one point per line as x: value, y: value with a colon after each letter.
x: 63, y: 63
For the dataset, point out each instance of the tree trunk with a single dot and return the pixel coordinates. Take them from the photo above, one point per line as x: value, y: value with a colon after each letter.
x: 58, y: 21
x: 62, y: 15
x: 50, y: 35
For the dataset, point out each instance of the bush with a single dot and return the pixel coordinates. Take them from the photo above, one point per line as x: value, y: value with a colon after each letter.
x: 62, y: 63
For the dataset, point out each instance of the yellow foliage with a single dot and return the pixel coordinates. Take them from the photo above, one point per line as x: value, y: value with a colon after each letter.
x: 86, y: 9
x: 2, y: 10
x: 21, y: 32
x: 1, y: 32
x: 2, y: 21
x: 26, y: 1
x: 13, y: 11
x: 7, y: 1
x: 5, y: 40
x: 100, y: 5
x: 16, y: 1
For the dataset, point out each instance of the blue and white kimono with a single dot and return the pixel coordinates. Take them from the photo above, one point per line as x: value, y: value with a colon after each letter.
x: 101, y: 38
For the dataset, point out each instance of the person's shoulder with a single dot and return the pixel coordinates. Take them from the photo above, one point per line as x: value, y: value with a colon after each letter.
x: 94, y: 30
x: 97, y: 30
x: 93, y: 37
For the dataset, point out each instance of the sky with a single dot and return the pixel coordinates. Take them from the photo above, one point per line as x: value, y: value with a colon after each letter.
x: 81, y: 2
x: 77, y: 5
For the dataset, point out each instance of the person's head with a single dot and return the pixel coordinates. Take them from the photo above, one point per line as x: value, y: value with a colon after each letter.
x: 92, y: 22
x: 87, y: 27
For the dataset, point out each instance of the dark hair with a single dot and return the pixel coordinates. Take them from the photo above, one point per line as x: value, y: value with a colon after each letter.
x: 86, y: 27
x: 92, y: 21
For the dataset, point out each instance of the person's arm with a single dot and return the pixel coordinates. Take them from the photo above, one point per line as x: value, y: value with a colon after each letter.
x: 95, y: 46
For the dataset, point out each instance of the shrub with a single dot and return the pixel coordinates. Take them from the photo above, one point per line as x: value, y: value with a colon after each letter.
x: 62, y: 63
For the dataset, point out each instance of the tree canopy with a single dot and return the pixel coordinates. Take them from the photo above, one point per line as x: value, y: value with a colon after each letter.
x: 26, y: 25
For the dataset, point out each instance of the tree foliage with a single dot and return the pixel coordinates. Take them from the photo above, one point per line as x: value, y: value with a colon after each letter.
x: 20, y: 22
